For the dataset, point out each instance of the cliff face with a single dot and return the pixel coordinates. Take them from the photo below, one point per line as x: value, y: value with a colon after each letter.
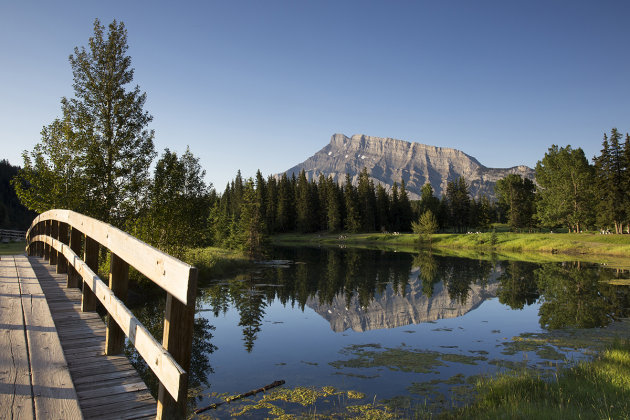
x: 389, y: 160
x: 391, y: 309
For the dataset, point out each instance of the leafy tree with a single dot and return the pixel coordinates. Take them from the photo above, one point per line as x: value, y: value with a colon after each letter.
x: 179, y: 204
x: 565, y: 192
x: 51, y: 176
x: 517, y: 195
x: 426, y: 225
x: 13, y: 215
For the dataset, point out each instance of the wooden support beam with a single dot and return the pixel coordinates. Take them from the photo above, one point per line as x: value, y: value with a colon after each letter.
x: 119, y: 283
x: 62, y: 233
x: 74, y: 278
x: 54, y: 233
x: 47, y: 225
x: 88, y: 301
x: 177, y: 340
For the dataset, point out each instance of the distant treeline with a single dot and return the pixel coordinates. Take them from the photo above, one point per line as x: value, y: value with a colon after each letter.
x: 295, y: 204
x: 13, y: 215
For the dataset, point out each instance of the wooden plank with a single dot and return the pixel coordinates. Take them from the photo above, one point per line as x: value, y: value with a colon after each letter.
x: 88, y: 302
x: 118, y: 283
x: 111, y: 409
x: 75, y: 244
x: 168, y: 272
x: 15, y: 380
x: 54, y: 393
x: 130, y: 413
x: 62, y: 235
x: 120, y: 398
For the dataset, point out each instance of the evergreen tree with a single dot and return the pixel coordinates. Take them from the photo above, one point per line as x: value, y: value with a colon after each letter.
x: 353, y: 217
x: 251, y: 228
x: 458, y: 200
x: 611, y: 169
x: 303, y: 204
x: 334, y: 212
x: 367, y: 201
x: 382, y: 208
x: 404, y: 208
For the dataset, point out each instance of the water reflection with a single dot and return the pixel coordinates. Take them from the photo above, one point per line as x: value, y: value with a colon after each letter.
x: 574, y: 295
x: 366, y: 290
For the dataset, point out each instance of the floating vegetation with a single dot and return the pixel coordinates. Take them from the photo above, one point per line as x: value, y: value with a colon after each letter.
x: 542, y: 350
x: 309, y: 363
x: 443, y: 329
x: 309, y: 402
x: 400, y: 359
x: 478, y: 352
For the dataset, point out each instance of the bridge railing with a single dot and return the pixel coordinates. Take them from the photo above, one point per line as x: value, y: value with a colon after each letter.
x: 60, y: 236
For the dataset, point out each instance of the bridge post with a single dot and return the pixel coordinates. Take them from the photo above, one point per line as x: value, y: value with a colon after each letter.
x: 62, y: 263
x: 54, y: 233
x: 88, y: 300
x: 74, y: 278
x: 177, y: 340
x: 118, y: 282
x: 46, y: 246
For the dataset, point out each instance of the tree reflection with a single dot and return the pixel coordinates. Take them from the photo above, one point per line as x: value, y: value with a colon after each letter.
x: 518, y: 284
x: 576, y: 296
x: 428, y: 271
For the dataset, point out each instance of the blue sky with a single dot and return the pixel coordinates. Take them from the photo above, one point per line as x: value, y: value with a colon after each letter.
x: 264, y: 84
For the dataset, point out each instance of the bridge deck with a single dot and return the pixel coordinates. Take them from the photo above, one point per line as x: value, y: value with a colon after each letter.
x: 52, y: 362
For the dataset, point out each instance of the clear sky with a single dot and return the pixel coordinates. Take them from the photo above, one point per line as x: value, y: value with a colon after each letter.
x: 264, y: 84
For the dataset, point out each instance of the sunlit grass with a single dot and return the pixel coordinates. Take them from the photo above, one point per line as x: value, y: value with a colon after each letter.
x: 215, y: 262
x: 12, y: 248
x: 598, y: 389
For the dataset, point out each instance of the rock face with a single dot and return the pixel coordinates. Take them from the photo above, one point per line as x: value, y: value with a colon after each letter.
x: 389, y: 160
x: 391, y: 309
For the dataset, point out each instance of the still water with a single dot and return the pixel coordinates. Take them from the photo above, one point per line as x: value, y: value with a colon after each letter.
x: 391, y: 325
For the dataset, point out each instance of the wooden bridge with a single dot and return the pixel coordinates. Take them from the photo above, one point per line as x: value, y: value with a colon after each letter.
x: 58, y: 360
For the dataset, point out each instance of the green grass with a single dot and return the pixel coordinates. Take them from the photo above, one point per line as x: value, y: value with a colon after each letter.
x: 534, y: 247
x: 598, y: 389
x: 12, y: 248
x: 216, y: 262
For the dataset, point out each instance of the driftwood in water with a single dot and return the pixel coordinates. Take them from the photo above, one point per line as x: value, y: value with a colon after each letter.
x: 238, y: 397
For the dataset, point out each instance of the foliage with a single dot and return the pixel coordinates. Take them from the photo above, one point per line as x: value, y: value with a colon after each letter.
x: 612, y: 169
x: 426, y: 225
x: 517, y: 195
x: 13, y: 215
x: 178, y: 202
x: 96, y: 158
x: 565, y: 192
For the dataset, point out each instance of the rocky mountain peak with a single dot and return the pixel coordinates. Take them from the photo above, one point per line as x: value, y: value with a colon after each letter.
x: 390, y: 160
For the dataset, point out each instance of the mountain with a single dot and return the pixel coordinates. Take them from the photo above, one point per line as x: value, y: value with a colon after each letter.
x: 389, y: 160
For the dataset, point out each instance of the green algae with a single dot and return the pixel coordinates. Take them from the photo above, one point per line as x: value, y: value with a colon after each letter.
x: 403, y: 359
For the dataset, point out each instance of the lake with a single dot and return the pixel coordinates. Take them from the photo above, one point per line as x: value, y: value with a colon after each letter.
x: 409, y: 329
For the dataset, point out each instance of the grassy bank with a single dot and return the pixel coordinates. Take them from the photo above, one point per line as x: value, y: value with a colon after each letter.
x: 12, y: 248
x: 535, y: 247
x: 215, y: 263
x: 598, y: 389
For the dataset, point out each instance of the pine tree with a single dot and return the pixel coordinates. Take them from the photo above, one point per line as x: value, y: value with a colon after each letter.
x: 353, y: 217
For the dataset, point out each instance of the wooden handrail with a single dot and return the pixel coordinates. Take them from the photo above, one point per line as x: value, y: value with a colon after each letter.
x: 48, y: 236
x: 166, y: 271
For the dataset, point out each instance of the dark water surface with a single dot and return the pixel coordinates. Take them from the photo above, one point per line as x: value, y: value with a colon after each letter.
x: 391, y: 325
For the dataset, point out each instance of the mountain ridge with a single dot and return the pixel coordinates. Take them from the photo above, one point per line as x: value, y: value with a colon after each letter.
x: 391, y: 160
